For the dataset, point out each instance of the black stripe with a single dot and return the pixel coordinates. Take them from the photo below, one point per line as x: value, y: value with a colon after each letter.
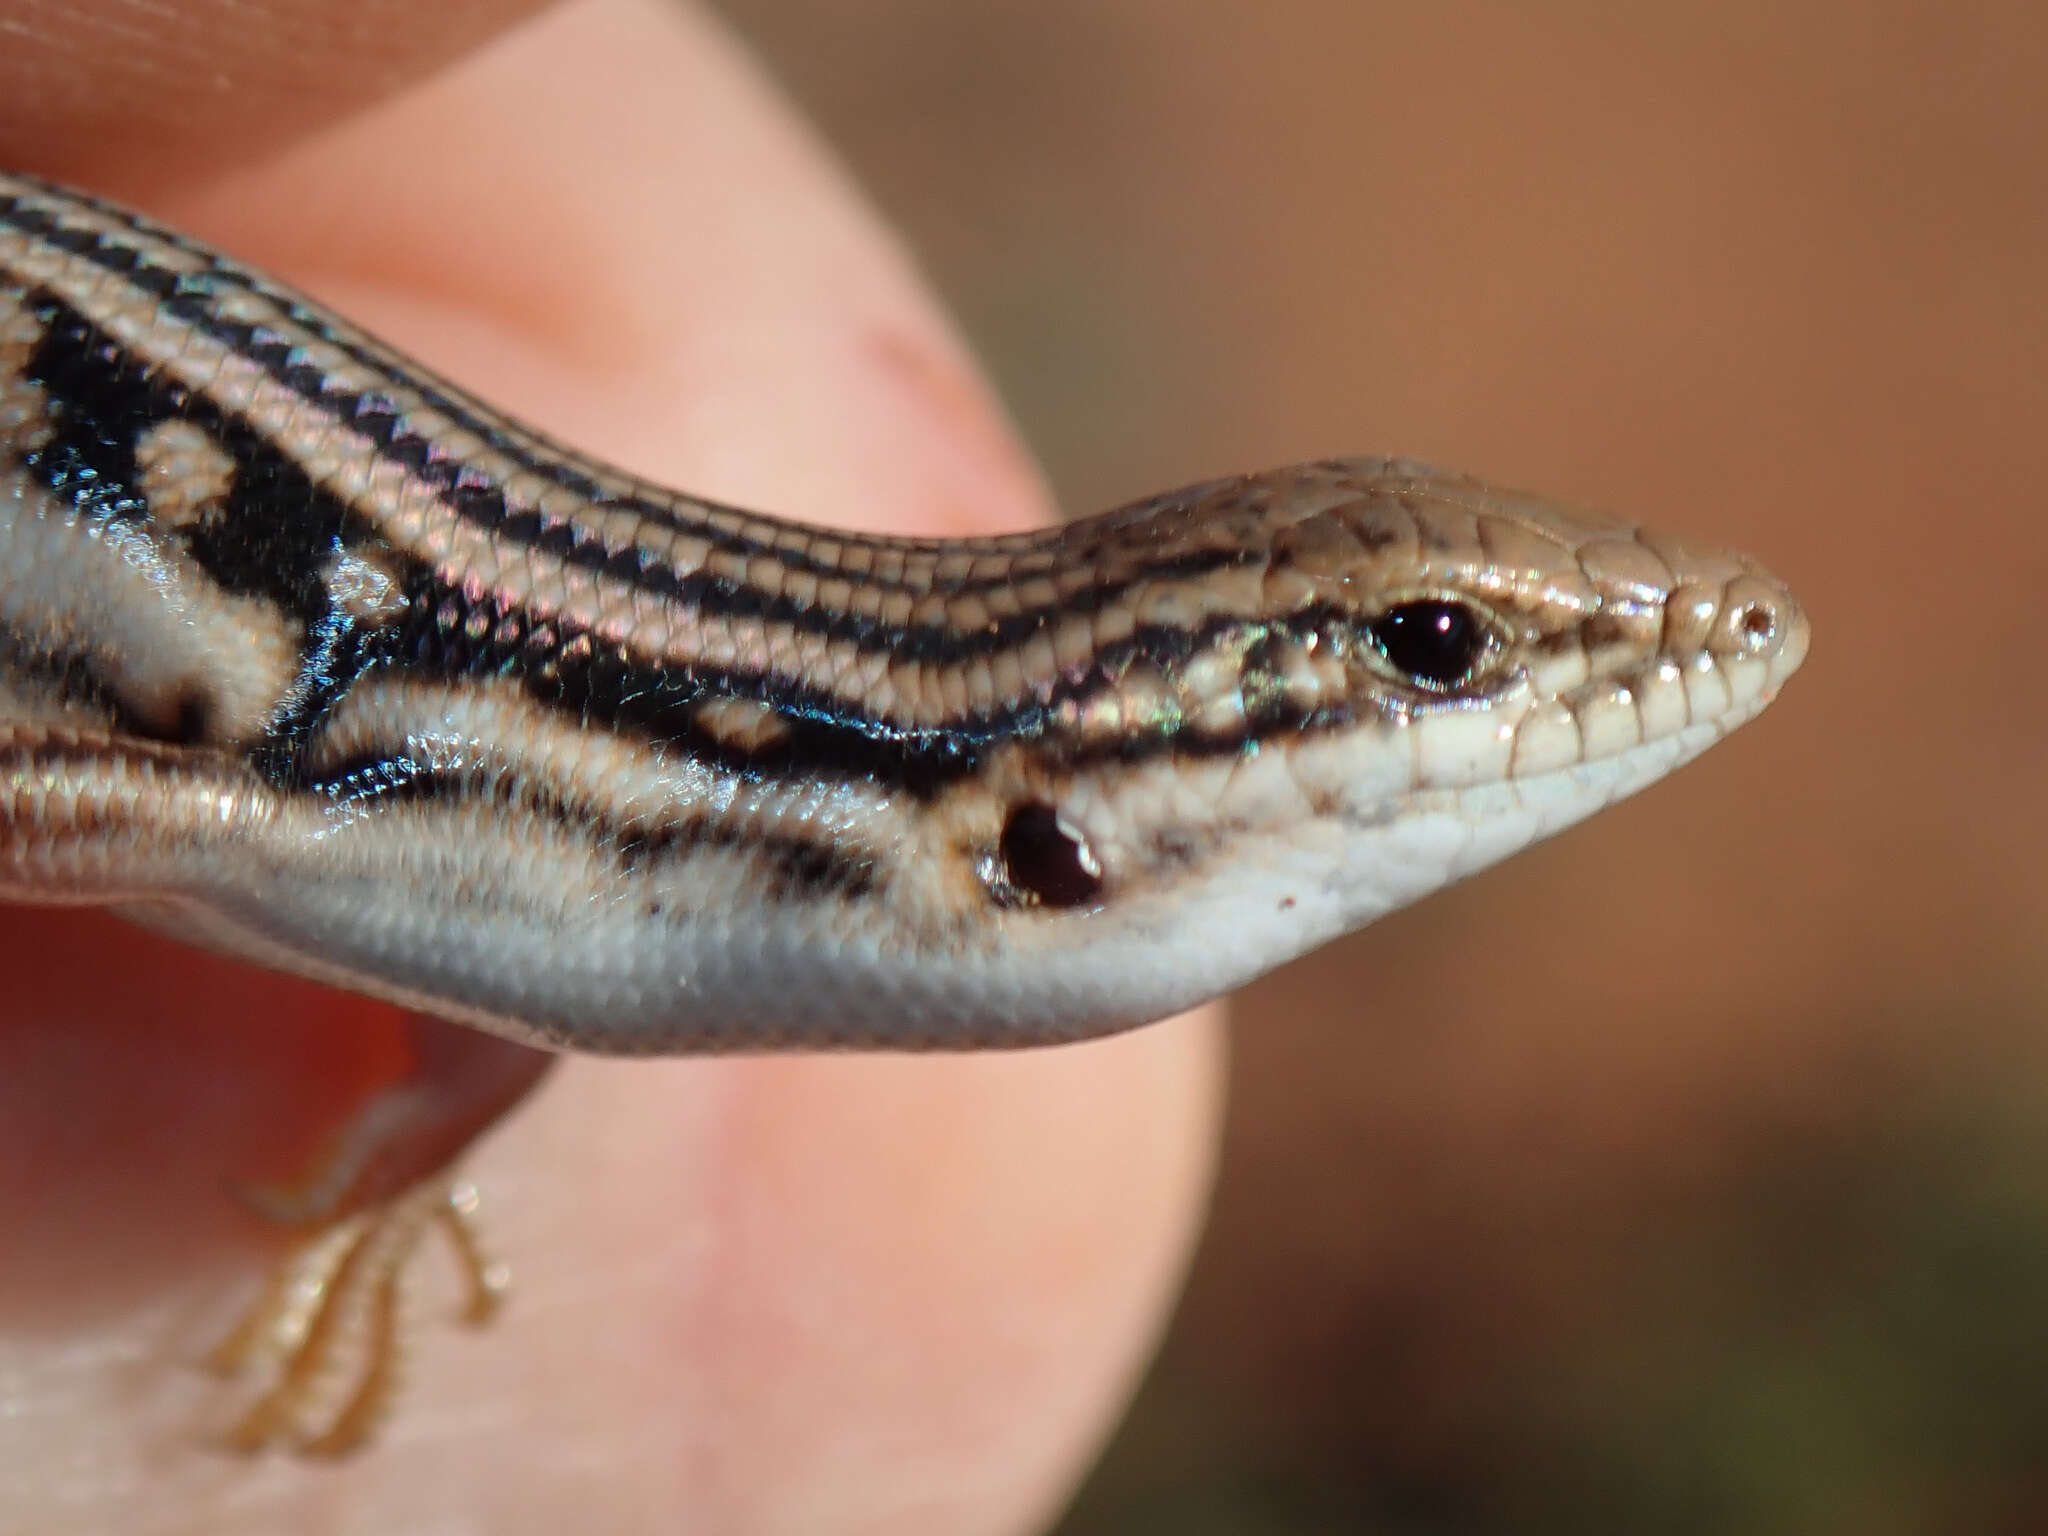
x: 446, y: 634
x: 102, y: 404
x: 481, y: 501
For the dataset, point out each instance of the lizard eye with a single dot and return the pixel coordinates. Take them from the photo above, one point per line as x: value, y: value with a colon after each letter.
x: 1435, y: 643
x: 1046, y: 859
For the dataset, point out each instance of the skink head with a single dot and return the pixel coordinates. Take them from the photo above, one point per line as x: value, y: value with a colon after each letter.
x: 1347, y: 684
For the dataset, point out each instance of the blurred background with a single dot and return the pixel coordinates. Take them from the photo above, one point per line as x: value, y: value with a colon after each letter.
x: 1687, y: 1173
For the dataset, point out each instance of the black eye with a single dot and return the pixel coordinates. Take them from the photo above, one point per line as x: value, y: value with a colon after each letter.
x: 1046, y: 858
x: 1431, y: 642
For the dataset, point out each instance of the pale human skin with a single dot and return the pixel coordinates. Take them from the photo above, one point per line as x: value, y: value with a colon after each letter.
x: 801, y: 1294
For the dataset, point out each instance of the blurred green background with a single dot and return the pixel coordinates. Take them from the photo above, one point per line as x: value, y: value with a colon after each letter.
x: 1686, y: 1174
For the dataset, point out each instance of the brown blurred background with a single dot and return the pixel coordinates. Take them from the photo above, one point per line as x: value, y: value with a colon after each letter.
x: 1685, y: 1174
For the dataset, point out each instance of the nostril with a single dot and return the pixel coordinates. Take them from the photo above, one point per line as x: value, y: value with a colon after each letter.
x: 1752, y: 621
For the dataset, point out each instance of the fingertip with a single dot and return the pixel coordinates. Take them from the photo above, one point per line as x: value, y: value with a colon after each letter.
x: 131, y: 97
